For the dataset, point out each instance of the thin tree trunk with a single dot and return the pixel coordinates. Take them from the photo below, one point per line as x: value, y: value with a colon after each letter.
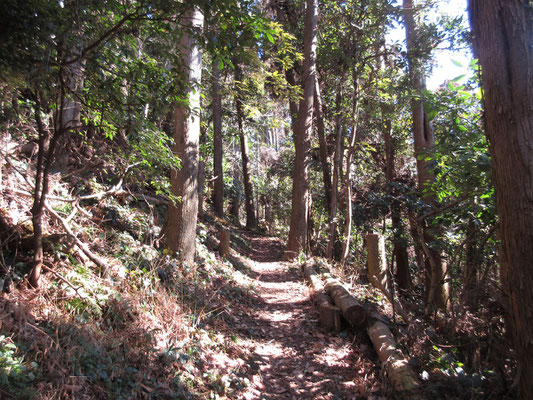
x: 348, y: 174
x: 70, y: 108
x: 180, y: 232
x: 201, y: 175
x: 323, y: 147
x: 45, y: 159
x: 302, y: 139
x: 502, y: 41
x: 218, y: 191
x: 335, y: 182
x: 251, y: 220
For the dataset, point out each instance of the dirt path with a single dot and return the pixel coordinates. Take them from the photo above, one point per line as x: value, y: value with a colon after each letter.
x: 291, y: 356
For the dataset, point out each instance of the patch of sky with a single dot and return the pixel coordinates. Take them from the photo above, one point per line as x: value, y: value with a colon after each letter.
x: 448, y: 63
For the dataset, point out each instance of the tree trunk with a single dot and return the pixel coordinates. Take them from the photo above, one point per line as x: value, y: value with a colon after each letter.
x: 329, y: 313
x: 180, y: 232
x: 224, y: 242
x: 398, y: 370
x: 377, y: 261
x: 201, y: 174
x: 69, y: 113
x: 335, y: 182
x: 302, y: 139
x: 348, y: 174
x: 424, y: 140
x: 352, y: 310
x: 218, y: 191
x: 502, y: 41
x: 45, y: 159
x: 249, y: 207
x: 403, y: 277
x: 323, y: 147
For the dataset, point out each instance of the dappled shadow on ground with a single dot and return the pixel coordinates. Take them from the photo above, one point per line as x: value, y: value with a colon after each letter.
x: 259, y: 247
x: 290, y: 356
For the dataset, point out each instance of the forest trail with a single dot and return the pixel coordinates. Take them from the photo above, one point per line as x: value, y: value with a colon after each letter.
x: 291, y: 356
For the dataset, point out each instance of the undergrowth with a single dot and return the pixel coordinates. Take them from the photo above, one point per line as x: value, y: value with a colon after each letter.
x: 143, y: 328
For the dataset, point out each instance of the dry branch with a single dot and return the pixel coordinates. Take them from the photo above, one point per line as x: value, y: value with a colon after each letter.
x: 82, y: 246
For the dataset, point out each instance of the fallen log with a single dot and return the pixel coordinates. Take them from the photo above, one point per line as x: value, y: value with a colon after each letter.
x: 352, y: 310
x: 400, y: 374
x: 330, y: 315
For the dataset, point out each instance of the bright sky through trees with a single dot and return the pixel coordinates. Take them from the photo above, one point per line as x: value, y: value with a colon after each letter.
x: 447, y: 60
x: 448, y: 64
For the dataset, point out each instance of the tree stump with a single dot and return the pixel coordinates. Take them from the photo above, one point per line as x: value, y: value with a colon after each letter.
x: 377, y: 261
x: 223, y: 246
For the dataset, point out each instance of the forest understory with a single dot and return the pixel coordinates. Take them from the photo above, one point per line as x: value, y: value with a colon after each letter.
x: 241, y: 199
x: 239, y: 327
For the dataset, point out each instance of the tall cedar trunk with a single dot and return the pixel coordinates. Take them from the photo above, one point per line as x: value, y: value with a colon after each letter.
x: 335, y: 182
x: 249, y: 207
x: 180, y: 232
x: 399, y: 249
x: 302, y: 139
x: 323, y: 147
x: 503, y: 31
x: 218, y: 192
x: 424, y: 139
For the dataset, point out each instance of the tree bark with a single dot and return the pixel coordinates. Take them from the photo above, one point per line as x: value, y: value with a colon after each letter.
x: 45, y: 159
x: 249, y: 207
x: 218, y: 192
x: 352, y: 310
x: 377, y: 261
x: 302, y: 139
x: 180, y: 232
x: 502, y: 32
x: 70, y: 110
x: 400, y: 374
x: 201, y: 174
x: 224, y: 242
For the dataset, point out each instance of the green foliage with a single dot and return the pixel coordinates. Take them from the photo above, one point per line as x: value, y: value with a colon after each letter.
x: 16, y: 374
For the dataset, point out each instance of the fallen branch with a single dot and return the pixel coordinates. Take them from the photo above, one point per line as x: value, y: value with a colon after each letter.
x: 442, y: 209
x: 82, y: 246
x: 60, y: 277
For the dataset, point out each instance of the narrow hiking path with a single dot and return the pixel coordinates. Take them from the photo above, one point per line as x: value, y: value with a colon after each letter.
x: 290, y: 356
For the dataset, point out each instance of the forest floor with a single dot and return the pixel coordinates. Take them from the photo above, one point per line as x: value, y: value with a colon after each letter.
x: 290, y: 356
